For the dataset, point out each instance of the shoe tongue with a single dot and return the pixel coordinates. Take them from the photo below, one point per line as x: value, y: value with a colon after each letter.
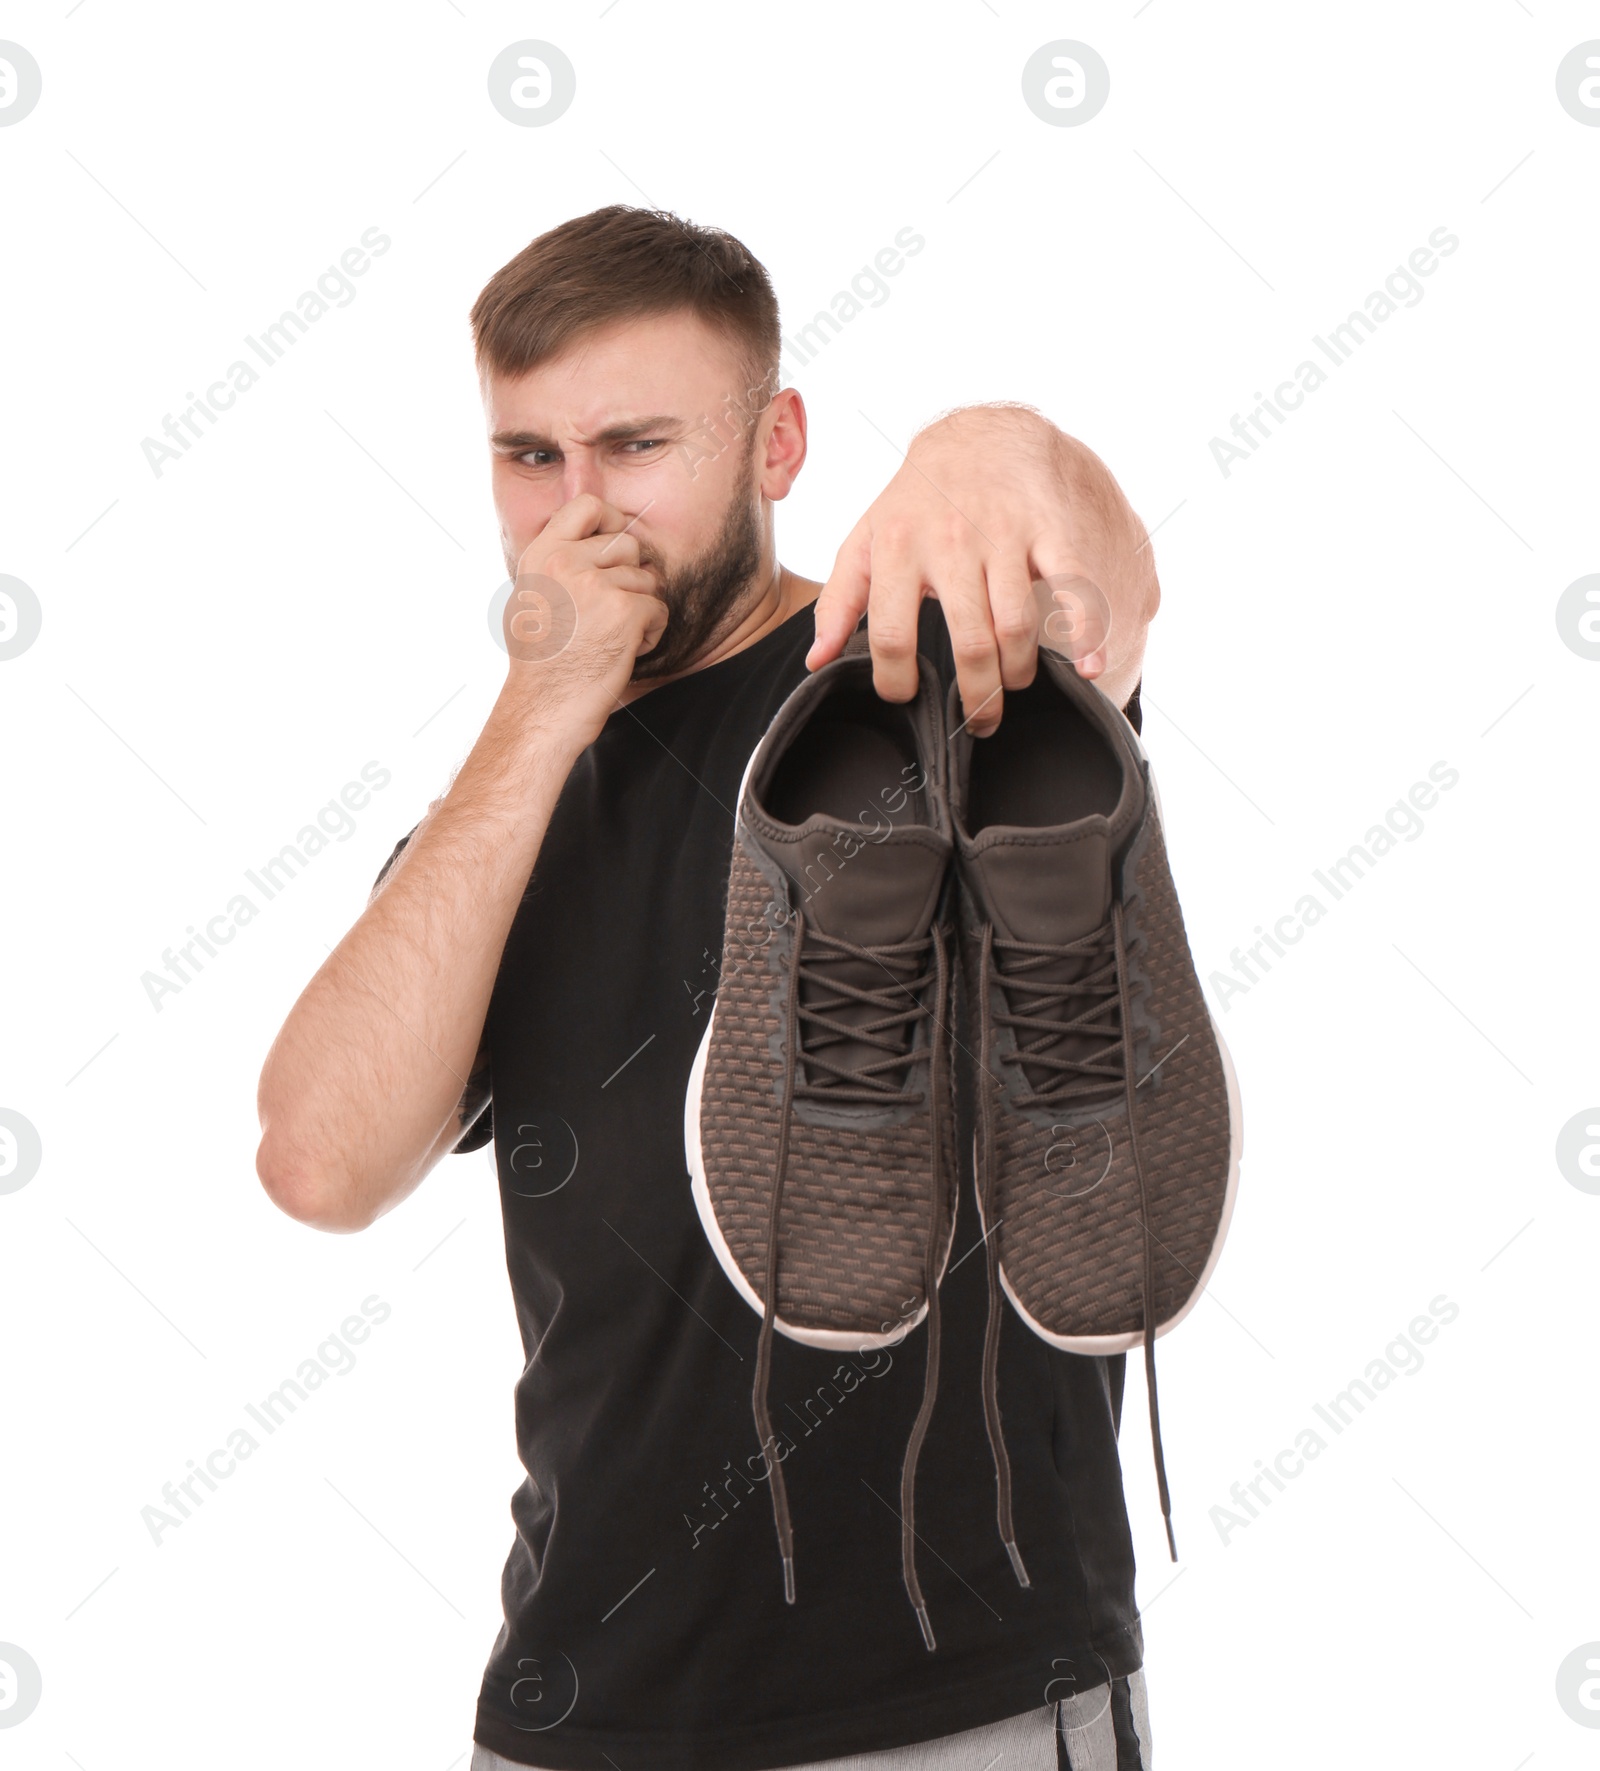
x: 1044, y: 886
x: 872, y: 894
x: 869, y: 893
x: 1050, y: 888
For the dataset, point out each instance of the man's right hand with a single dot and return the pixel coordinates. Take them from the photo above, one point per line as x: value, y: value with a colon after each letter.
x: 581, y: 612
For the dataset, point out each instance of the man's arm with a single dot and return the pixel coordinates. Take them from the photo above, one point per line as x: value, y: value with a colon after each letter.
x: 474, y: 1123
x: 988, y: 500
x: 364, y: 1087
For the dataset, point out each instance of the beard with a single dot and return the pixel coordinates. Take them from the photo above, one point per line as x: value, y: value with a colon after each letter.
x: 706, y: 597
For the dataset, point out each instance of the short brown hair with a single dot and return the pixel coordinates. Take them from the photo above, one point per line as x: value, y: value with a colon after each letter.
x: 621, y: 263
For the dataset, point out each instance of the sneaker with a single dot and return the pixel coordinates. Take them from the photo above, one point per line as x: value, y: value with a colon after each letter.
x: 819, y: 1120
x: 1109, y: 1130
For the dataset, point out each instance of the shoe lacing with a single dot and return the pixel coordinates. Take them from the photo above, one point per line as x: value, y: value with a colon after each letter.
x: 1053, y: 1016
x: 823, y: 992
x: 812, y: 1030
x: 1075, y: 1036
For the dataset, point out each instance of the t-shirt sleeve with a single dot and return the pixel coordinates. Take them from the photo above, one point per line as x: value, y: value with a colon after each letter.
x: 394, y: 855
x: 481, y: 1130
x: 478, y: 1131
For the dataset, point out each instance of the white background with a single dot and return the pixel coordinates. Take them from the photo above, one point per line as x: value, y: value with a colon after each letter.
x: 225, y: 645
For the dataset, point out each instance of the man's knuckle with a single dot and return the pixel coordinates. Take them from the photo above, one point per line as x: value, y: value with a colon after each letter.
x: 951, y: 529
x: 896, y: 534
x: 892, y: 639
x: 971, y: 648
x: 1015, y: 622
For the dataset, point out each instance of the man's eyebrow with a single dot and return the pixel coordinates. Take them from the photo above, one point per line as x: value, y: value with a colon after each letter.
x: 624, y: 431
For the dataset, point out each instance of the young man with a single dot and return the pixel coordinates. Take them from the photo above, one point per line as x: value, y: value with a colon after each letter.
x: 537, y: 963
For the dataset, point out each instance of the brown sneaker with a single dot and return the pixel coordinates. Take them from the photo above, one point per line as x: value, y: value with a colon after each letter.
x: 819, y: 1120
x: 1109, y: 1135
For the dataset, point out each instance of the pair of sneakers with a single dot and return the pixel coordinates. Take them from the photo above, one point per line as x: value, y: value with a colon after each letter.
x: 898, y: 893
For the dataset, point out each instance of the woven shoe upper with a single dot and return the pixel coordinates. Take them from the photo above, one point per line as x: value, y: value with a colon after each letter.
x: 1065, y: 1190
x: 842, y: 913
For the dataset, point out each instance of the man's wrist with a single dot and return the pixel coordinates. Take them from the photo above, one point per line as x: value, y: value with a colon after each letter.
x: 527, y: 721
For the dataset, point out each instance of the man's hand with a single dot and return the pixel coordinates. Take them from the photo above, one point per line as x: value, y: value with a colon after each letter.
x: 989, y: 502
x: 581, y: 611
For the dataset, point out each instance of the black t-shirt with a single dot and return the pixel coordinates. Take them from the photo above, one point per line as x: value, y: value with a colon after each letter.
x: 645, y: 1623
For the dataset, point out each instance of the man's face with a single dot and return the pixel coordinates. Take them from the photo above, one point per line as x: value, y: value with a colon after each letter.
x: 635, y: 415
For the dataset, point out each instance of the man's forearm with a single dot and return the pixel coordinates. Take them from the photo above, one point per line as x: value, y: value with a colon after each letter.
x: 360, y: 1092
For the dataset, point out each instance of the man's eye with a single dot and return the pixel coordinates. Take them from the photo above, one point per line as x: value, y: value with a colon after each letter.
x: 537, y: 457
x: 645, y: 443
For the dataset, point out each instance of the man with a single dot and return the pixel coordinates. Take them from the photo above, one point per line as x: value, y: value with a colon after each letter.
x: 538, y: 961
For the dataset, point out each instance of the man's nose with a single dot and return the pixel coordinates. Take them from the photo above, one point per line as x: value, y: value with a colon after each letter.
x: 582, y: 473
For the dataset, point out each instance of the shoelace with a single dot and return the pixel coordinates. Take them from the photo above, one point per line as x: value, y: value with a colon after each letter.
x: 1094, y: 1010
x: 910, y: 968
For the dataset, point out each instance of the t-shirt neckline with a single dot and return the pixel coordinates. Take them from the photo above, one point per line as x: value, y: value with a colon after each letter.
x: 745, y: 657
